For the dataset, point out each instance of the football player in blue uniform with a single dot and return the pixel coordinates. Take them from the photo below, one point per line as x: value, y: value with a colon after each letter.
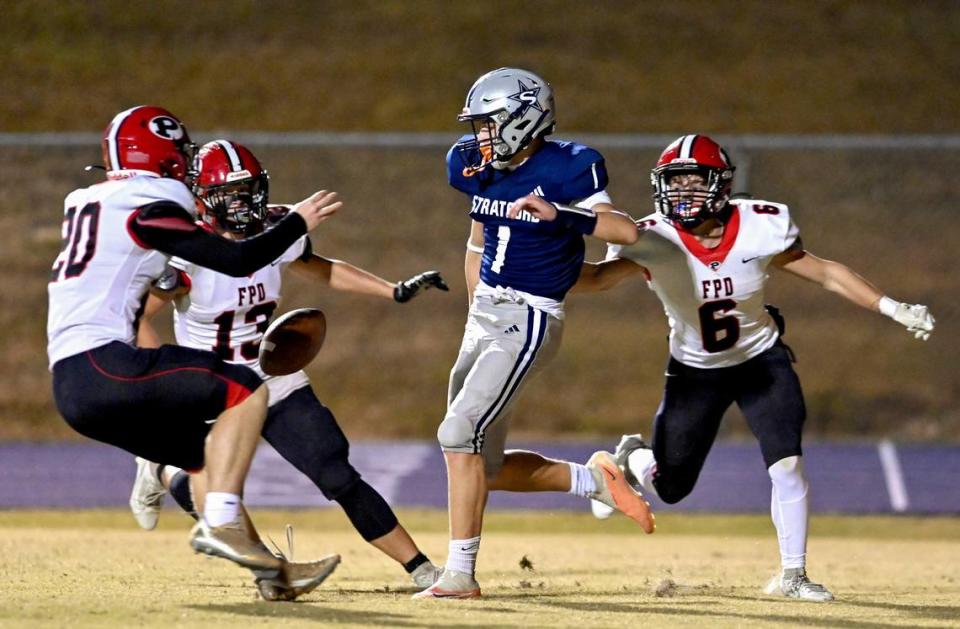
x: 518, y: 271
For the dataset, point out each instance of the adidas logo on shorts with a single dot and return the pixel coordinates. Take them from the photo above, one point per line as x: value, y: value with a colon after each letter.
x: 513, y: 328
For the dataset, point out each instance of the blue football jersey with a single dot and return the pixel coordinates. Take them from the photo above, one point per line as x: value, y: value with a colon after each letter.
x: 526, y: 254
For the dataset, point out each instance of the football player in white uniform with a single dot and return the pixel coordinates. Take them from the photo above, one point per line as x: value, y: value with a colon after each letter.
x: 156, y: 403
x: 707, y: 256
x: 228, y: 315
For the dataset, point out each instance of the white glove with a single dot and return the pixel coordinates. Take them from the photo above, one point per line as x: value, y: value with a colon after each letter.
x: 915, y: 317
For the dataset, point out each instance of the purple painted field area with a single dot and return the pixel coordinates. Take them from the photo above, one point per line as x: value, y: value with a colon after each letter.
x: 844, y: 478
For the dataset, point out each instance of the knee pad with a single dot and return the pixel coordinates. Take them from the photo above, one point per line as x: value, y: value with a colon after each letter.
x: 788, y: 478
x: 368, y: 511
x: 334, y: 477
x: 455, y: 434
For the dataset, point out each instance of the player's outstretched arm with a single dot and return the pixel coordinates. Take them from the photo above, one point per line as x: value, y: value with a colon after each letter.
x: 840, y: 279
x: 614, y: 226
x: 604, y: 275
x: 343, y: 276
x: 603, y: 221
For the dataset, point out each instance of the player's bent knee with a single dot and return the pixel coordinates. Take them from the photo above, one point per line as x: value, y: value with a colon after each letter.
x: 673, y: 491
x: 335, y: 478
x: 788, y: 477
x: 456, y: 434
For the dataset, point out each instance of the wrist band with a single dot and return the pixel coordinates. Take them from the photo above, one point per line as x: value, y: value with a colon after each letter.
x: 579, y: 220
x: 474, y: 248
x: 887, y: 306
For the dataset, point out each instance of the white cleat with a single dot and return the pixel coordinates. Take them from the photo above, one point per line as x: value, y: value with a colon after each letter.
x: 600, y: 511
x: 146, y: 498
x: 794, y: 583
x: 627, y: 445
x: 425, y: 575
x: 452, y: 585
x: 614, y: 491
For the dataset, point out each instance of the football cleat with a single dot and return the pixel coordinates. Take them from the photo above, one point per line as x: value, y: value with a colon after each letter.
x: 146, y: 498
x: 614, y: 491
x: 296, y: 578
x: 452, y: 585
x: 426, y: 574
x: 232, y: 542
x: 628, y: 444
x: 794, y: 583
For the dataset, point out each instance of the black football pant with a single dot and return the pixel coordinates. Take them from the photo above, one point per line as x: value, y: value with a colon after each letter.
x: 767, y: 390
x: 154, y: 403
x: 305, y: 433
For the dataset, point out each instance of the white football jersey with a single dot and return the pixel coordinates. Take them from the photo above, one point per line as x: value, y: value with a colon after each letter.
x: 99, y: 282
x: 228, y: 315
x: 713, y: 298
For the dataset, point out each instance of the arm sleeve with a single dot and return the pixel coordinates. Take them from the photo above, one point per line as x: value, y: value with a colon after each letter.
x: 167, y: 227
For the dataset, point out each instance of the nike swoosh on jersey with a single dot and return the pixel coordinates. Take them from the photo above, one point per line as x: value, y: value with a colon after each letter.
x: 745, y: 260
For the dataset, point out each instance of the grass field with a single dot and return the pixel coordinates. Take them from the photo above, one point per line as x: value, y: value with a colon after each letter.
x: 95, y: 568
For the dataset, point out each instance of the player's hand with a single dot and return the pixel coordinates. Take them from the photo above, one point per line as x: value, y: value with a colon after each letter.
x: 916, y: 318
x: 318, y: 207
x: 537, y: 206
x: 408, y: 289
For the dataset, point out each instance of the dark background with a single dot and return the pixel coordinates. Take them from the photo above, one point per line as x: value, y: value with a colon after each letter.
x: 721, y: 68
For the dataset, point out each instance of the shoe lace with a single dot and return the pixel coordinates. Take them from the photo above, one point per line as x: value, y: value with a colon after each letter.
x: 802, y: 583
x: 276, y: 549
x: 153, y: 498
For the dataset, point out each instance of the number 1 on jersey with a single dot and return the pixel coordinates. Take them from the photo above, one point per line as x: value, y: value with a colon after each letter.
x: 503, y: 237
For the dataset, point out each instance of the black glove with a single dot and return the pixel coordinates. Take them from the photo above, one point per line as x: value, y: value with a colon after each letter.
x: 407, y: 290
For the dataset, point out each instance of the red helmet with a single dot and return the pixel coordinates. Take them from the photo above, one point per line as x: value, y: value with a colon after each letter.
x: 693, y: 155
x: 232, y: 186
x: 146, y: 139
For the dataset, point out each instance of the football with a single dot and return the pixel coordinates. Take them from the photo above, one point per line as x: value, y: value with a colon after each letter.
x: 292, y: 341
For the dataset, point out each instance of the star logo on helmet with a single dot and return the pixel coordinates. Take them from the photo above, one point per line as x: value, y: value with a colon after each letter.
x: 527, y: 97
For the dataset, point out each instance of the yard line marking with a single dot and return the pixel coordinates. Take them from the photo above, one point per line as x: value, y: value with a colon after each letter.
x: 893, y: 475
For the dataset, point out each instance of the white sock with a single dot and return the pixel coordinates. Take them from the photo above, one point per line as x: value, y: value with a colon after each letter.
x: 642, y: 465
x: 219, y: 508
x: 582, y: 482
x: 462, y: 555
x: 789, y: 509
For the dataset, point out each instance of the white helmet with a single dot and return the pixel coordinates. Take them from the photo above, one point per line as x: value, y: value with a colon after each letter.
x: 514, y: 106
